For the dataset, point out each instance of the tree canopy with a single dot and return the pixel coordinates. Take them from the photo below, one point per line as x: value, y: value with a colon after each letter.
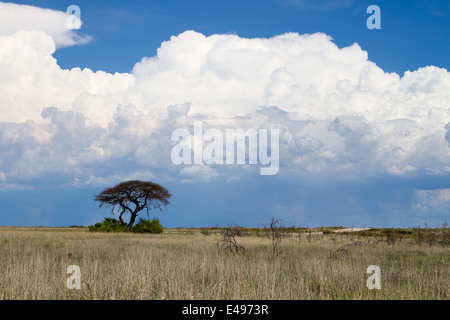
x: 132, y: 197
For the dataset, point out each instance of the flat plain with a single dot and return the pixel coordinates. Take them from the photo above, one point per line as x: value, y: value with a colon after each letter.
x: 189, y: 264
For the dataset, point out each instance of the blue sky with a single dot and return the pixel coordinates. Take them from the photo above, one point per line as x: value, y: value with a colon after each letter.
x: 413, y: 33
x: 364, y: 129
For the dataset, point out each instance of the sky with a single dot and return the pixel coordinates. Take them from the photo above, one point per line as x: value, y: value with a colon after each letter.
x: 359, y: 117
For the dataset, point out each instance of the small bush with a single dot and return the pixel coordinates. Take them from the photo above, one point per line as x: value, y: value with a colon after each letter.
x: 148, y: 226
x: 108, y: 225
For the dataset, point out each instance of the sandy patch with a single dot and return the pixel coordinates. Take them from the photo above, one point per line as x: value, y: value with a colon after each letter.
x: 351, y: 230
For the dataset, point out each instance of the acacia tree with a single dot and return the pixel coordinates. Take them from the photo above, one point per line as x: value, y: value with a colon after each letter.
x: 132, y: 197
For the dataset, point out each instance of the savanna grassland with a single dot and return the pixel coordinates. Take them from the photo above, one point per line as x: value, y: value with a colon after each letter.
x: 188, y: 264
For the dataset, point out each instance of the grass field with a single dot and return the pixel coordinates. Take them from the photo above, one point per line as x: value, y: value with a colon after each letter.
x: 187, y: 264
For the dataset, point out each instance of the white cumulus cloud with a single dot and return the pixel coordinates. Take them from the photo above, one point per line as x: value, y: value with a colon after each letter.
x: 15, y: 17
x: 31, y: 80
x: 338, y: 113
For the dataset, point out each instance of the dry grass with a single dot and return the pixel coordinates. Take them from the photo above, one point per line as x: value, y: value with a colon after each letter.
x: 188, y: 265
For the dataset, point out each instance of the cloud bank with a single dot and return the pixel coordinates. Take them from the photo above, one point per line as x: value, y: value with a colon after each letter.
x: 339, y: 115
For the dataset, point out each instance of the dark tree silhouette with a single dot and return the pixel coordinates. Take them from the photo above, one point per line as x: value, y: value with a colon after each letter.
x: 132, y: 197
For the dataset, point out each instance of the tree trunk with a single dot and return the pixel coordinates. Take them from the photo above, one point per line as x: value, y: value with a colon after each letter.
x: 133, y: 217
x: 120, y: 217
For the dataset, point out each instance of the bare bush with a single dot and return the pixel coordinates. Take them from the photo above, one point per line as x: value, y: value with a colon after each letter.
x: 432, y: 236
x: 419, y: 235
x: 228, y: 239
x: 274, y: 231
x: 393, y: 237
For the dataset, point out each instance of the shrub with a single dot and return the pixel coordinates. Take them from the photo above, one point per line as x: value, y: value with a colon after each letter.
x: 109, y: 225
x: 228, y: 239
x: 113, y: 225
x: 148, y: 226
